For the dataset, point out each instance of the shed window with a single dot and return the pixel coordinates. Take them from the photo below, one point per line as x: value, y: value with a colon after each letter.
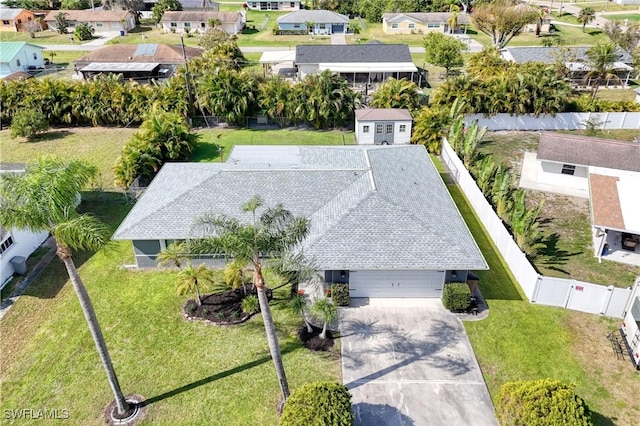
x: 18, y: 62
x: 379, y: 129
x: 389, y: 128
x: 365, y: 128
x: 394, y: 26
x: 5, y: 22
x: 8, y: 242
x: 568, y: 169
x: 403, y: 128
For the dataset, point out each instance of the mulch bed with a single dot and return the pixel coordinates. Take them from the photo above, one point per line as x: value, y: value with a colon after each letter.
x: 313, y: 340
x: 220, y: 308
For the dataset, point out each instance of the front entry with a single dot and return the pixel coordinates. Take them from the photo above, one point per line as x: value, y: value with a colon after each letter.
x: 384, y: 133
x: 396, y: 283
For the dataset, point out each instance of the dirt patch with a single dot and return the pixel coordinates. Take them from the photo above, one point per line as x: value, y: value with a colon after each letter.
x: 221, y: 308
x: 313, y: 340
x: 508, y: 147
x: 618, y: 383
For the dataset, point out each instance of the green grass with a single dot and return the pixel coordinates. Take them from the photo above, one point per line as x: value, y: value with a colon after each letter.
x: 606, y: 6
x: 191, y: 372
x: 632, y: 17
x: 522, y: 341
x: 43, y: 37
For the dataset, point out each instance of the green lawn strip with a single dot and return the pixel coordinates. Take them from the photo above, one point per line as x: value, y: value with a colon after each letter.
x: 520, y: 340
x: 42, y: 37
x: 635, y: 17
x: 193, y: 373
x: 605, y: 6
x: 628, y: 95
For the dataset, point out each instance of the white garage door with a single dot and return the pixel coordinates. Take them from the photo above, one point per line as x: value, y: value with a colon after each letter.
x: 396, y: 283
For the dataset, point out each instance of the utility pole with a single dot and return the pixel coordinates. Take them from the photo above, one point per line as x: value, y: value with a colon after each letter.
x: 186, y: 75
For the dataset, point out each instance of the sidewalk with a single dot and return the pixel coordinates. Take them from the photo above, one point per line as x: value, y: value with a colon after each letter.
x: 30, y: 277
x: 91, y: 45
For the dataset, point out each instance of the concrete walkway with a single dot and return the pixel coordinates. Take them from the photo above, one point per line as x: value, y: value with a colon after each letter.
x: 97, y: 43
x: 30, y: 277
x: 410, y: 362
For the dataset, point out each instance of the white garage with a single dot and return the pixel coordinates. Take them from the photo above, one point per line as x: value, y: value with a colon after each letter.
x: 370, y: 283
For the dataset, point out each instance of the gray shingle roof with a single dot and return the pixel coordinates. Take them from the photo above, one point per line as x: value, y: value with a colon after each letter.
x: 550, y: 55
x: 586, y: 151
x: 317, y: 16
x: 397, y: 214
x: 9, y: 14
x: 378, y: 114
x: 385, y: 53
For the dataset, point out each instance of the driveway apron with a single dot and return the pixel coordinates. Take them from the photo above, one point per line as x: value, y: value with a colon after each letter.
x: 410, y: 362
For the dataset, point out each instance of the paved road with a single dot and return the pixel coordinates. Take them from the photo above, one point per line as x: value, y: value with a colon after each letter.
x: 409, y: 362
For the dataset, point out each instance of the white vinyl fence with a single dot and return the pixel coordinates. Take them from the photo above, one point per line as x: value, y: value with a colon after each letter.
x: 561, y: 121
x: 560, y: 292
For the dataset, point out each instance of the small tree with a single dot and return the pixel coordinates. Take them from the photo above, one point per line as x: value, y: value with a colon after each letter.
x: 84, y: 31
x: 162, y: 6
x: 321, y: 403
x: 32, y: 27
x: 28, y: 123
x: 324, y: 310
x: 502, y: 19
x: 61, y: 23
x: 299, y: 304
x: 443, y: 50
x: 174, y: 255
x: 586, y: 16
x: 456, y: 296
x: 191, y: 279
x: 541, y: 402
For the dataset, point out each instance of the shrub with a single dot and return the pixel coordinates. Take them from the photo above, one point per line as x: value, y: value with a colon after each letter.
x: 541, y: 402
x: 84, y: 31
x: 250, y: 304
x: 28, y: 123
x: 340, y: 294
x: 455, y: 296
x: 320, y: 403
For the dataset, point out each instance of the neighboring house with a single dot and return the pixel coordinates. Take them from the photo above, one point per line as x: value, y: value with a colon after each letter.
x: 381, y: 219
x: 575, y: 59
x: 544, y: 24
x: 284, y: 5
x: 631, y: 325
x: 100, y: 20
x: 19, y: 56
x: 15, y: 19
x: 411, y: 23
x: 192, y: 21
x: 137, y: 61
x: 360, y: 64
x: 16, y: 245
x: 383, y: 126
x: 322, y: 22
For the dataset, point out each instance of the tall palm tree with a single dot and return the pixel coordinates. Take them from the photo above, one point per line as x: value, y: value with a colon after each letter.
x: 601, y: 59
x: 44, y: 199
x: 325, y: 311
x: 452, y: 21
x: 271, y: 235
x: 586, y: 16
x: 192, y: 278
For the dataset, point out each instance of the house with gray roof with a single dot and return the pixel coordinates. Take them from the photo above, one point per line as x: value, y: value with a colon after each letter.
x: 360, y: 64
x: 418, y: 22
x: 381, y: 219
x: 321, y: 22
x: 274, y: 5
x: 575, y: 59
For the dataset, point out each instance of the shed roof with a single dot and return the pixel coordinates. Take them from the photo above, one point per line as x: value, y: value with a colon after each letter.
x: 200, y: 16
x: 9, y: 14
x: 587, y: 151
x: 441, y: 17
x: 18, y: 75
x: 369, y: 207
x: 89, y: 15
x: 9, y: 49
x: 614, y: 202
x: 161, y: 53
x: 316, y: 16
x: 380, y: 114
x: 349, y: 53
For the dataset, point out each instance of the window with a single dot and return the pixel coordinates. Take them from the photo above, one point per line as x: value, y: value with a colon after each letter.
x: 115, y: 25
x: 18, y: 62
x: 19, y: 21
x: 4, y: 22
x: 433, y: 25
x: 394, y: 26
x: 568, y: 169
x: 35, y: 55
x: 174, y: 24
x: 412, y: 26
x: 403, y: 128
x: 365, y: 129
x: 296, y: 26
x: 8, y: 242
x: 292, y: 4
x: 187, y: 24
x: 389, y: 128
x: 98, y: 24
x: 203, y: 25
x: 379, y: 129
x: 254, y: 5
x: 322, y: 26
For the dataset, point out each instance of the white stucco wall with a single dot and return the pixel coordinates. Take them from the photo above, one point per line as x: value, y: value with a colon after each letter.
x: 25, y: 243
x: 229, y: 28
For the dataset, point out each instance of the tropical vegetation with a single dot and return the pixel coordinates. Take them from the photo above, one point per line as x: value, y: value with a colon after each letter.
x: 324, y: 310
x: 28, y: 123
x: 319, y: 403
x: 444, y: 51
x: 503, y: 19
x: 398, y: 94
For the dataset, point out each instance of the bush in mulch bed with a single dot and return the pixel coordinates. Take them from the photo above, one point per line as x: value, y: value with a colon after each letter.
x: 313, y: 340
x: 223, y: 308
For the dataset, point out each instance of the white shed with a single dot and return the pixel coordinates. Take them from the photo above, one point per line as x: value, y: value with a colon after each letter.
x: 383, y: 126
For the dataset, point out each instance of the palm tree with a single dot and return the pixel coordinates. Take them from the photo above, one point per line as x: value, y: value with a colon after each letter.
x: 309, y: 26
x: 452, y: 21
x: 525, y: 225
x: 44, y: 199
x: 586, y: 16
x: 272, y: 235
x: 299, y: 304
x: 602, y: 56
x: 397, y: 94
x: 191, y: 278
x: 325, y: 311
x: 174, y: 255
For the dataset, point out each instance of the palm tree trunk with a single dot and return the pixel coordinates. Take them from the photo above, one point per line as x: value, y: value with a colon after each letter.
x: 309, y: 328
x: 198, y: 299
x: 94, y: 327
x: 323, y: 335
x: 270, y: 329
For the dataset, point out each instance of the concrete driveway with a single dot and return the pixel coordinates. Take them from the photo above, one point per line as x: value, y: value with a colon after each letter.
x: 409, y: 362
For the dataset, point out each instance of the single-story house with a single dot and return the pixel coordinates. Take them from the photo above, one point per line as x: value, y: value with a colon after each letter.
x: 381, y: 219
x: 100, y: 20
x: 192, y: 21
x: 16, y: 245
x: 383, y: 126
x: 19, y: 56
x: 631, y: 325
x: 14, y: 20
x: 563, y: 162
x: 615, y: 217
x: 16, y: 76
x: 575, y: 59
x: 418, y: 22
x: 284, y: 5
x: 137, y: 61
x: 360, y: 64
x: 322, y: 22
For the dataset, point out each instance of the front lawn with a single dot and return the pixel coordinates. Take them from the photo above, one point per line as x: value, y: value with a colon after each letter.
x: 633, y: 17
x: 189, y: 372
x: 523, y: 341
